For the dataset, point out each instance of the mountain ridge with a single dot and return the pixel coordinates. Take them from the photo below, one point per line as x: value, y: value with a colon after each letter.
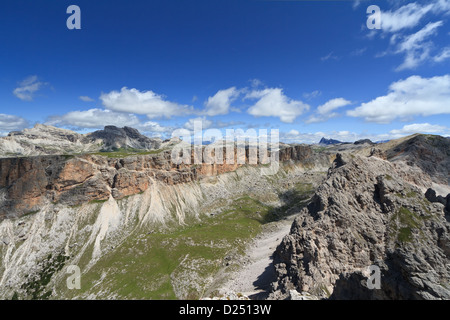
x: 366, y: 214
x: 49, y: 140
x: 371, y: 205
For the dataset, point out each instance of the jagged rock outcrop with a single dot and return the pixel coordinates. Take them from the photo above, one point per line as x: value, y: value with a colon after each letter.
x: 432, y: 197
x: 366, y: 214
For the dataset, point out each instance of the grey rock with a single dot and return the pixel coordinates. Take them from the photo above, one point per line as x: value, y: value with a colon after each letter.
x: 364, y: 141
x: 115, y: 138
x: 49, y: 140
x: 428, y: 152
x: 366, y: 214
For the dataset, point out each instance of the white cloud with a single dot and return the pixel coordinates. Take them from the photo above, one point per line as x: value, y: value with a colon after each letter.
x: 405, y: 17
x: 408, y: 98
x: 86, y: 99
x: 325, y: 111
x: 332, y: 104
x: 273, y: 103
x: 295, y: 136
x: 94, y: 118
x: 204, y: 122
x: 421, y: 128
x: 443, y: 55
x: 27, y: 88
x: 99, y: 118
x: 312, y: 95
x: 442, y: 6
x: 329, y: 56
x: 152, y: 127
x: 358, y: 52
x: 145, y: 102
x: 356, y: 4
x: 223, y: 124
x: 255, y: 83
x: 220, y: 103
x: 11, y: 123
x: 415, y: 48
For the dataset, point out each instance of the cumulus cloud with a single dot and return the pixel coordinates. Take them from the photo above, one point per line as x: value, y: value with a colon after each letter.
x: 152, y: 128
x: 326, y: 111
x: 220, y: 103
x: 99, y: 118
x: 86, y: 99
x: 295, y: 136
x: 93, y: 118
x: 27, y: 88
x: 421, y: 128
x: 408, y: 98
x: 272, y: 102
x: 10, y: 123
x: 143, y: 102
x: 204, y: 122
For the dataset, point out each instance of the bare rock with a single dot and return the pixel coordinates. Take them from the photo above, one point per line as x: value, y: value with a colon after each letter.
x: 365, y: 214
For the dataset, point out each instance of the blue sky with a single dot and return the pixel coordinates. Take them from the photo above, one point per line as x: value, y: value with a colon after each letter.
x: 307, y: 68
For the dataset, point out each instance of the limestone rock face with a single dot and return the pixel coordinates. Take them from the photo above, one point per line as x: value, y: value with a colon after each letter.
x: 26, y: 184
x: 366, y: 214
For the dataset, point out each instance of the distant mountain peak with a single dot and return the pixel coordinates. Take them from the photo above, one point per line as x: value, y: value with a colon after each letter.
x: 325, y: 141
x: 126, y: 137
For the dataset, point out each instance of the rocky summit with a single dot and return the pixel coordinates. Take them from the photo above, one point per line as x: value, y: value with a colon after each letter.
x: 366, y: 214
x: 336, y: 221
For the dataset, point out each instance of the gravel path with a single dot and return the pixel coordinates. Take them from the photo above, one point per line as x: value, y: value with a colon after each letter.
x: 257, y: 273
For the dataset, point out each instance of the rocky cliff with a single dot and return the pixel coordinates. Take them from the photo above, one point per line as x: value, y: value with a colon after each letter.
x: 28, y: 183
x: 367, y: 212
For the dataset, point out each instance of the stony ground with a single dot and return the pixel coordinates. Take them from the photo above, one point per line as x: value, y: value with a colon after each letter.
x: 253, y: 279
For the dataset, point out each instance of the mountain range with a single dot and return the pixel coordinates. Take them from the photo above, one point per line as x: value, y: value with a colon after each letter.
x: 46, y: 140
x: 139, y: 226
